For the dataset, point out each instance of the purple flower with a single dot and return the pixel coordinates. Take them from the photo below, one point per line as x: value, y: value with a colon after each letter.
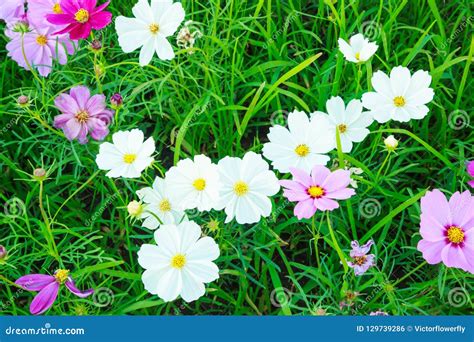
x: 48, y: 287
x: 40, y: 48
x: 83, y: 115
x: 361, y: 261
x: 317, y: 191
x: 470, y: 170
x: 3, y: 252
x: 11, y: 9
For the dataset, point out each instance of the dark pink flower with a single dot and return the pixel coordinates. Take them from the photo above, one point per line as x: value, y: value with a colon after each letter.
x: 316, y: 191
x: 81, y: 16
x: 447, y: 229
x: 48, y: 287
x: 83, y: 114
x: 470, y: 170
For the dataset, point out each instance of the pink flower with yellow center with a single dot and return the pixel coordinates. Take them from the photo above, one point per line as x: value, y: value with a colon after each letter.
x: 447, y: 229
x: 80, y: 16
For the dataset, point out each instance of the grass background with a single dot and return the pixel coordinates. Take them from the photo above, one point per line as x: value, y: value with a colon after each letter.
x: 256, y: 61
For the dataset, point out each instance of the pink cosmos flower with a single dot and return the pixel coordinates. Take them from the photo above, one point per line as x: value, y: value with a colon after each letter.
x: 48, y: 287
x: 470, y: 171
x: 317, y: 191
x: 41, y: 47
x: 39, y: 9
x: 11, y: 9
x: 81, y: 16
x: 447, y: 229
x: 361, y: 261
x: 83, y: 114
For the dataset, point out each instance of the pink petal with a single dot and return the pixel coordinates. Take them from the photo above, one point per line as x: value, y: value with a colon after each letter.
x: 67, y: 104
x: 470, y: 168
x: 44, y: 299
x: 341, y: 194
x: 82, y: 95
x: 89, y: 5
x: 471, y: 183
x: 60, y: 19
x: 80, y: 31
x: 324, y: 203
x: 292, y: 185
x: 96, y: 104
x: 431, y: 250
x: 319, y: 174
x: 35, y: 282
x: 453, y: 256
x: 102, y: 7
x: 72, y: 287
x: 72, y: 129
x: 100, y: 20
x: 337, y: 180
x: 301, y: 177
x: 430, y: 229
x: 70, y: 7
x: 295, y: 196
x: 61, y: 120
x: 462, y: 209
x: 434, y: 204
x: 304, y: 209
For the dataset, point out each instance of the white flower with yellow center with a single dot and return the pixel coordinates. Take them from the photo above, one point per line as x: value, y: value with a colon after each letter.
x: 181, y: 262
x: 302, y: 145
x: 194, y: 184
x: 401, y: 97
x: 128, y: 156
x: 358, y: 50
x: 150, y: 28
x: 350, y: 121
x: 159, y: 208
x: 246, y: 185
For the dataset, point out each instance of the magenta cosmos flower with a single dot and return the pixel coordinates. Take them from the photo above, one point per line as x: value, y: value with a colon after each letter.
x: 447, y: 229
x: 470, y: 171
x: 316, y: 191
x: 48, y: 287
x: 361, y: 260
x: 83, y: 115
x: 40, y: 48
x: 80, y: 16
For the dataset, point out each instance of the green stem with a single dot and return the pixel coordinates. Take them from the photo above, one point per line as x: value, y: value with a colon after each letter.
x: 336, y: 245
x: 47, y: 223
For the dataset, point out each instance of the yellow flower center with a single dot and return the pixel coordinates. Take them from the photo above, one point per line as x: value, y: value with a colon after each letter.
x: 455, y: 235
x: 129, y: 158
x: 154, y: 28
x: 315, y: 191
x: 342, y: 128
x: 357, y: 55
x: 82, y: 16
x: 82, y: 116
x: 199, y: 184
x: 165, y: 205
x: 360, y: 260
x: 41, y: 40
x: 61, y: 276
x: 241, y: 188
x: 399, y: 101
x: 302, y: 150
x: 178, y: 261
x: 57, y: 9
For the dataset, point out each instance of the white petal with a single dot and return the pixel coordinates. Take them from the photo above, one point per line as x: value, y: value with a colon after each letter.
x: 170, y: 285
x: 132, y: 33
x: 151, y: 257
x: 204, y: 271
x: 171, y: 19
x: 346, y: 50
x: 147, y: 51
x: 189, y: 233
x: 381, y: 83
x: 336, y: 109
x: 400, y: 80
x: 298, y: 123
x: 142, y: 11
x: 167, y: 239
x: 151, y: 278
x: 204, y: 249
x: 163, y: 48
x: 192, y: 289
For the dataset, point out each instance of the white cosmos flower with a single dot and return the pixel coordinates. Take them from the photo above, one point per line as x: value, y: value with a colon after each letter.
x: 194, y: 184
x: 160, y: 208
x: 350, y: 121
x: 358, y: 50
x: 302, y: 145
x: 180, y: 263
x: 150, y: 28
x: 401, y: 97
x: 128, y: 156
x: 246, y: 185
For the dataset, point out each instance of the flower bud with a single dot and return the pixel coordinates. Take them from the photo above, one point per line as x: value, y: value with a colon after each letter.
x: 23, y: 101
x: 116, y: 100
x: 39, y: 174
x: 96, y: 45
x: 391, y: 143
x: 3, y: 252
x: 135, y: 208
